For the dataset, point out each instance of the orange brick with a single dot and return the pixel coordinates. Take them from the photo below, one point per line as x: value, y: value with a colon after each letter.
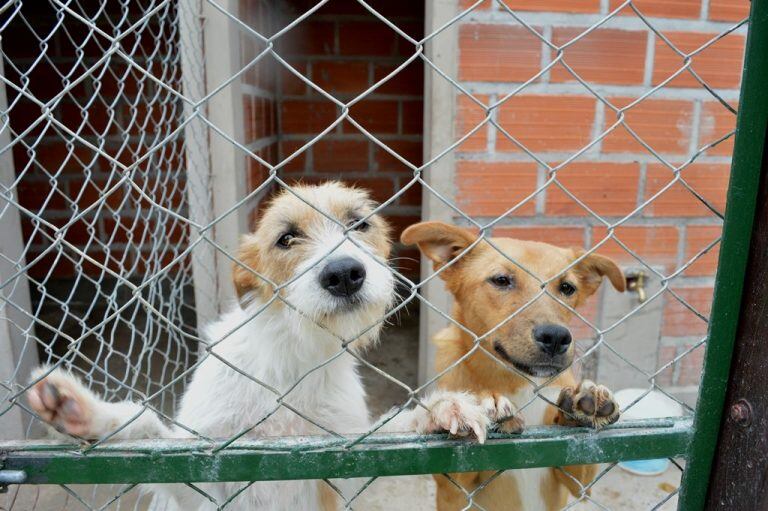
x: 409, y: 80
x: 468, y: 116
x: 287, y: 148
x: 341, y: 77
x: 655, y: 244
x: 554, y: 235
x: 697, y: 238
x: 256, y: 173
x: 608, y: 189
x: 410, y: 150
x: 709, y: 180
x: 248, y: 119
x: 679, y: 321
x: 497, y: 53
x: 569, y: 6
x: 308, y: 38
x: 381, y: 188
x: 603, y: 56
x: 307, y: 116
x: 375, y: 116
x: 719, y: 65
x: 728, y: 10
x: 264, y: 118
x: 665, y: 125
x: 370, y: 39
x: 412, y: 196
x: 340, y: 156
x: 546, y: 123
x: 484, y: 6
x: 413, y: 117
x: 490, y: 189
x: 662, y: 8
x: 716, y: 122
x: 290, y: 83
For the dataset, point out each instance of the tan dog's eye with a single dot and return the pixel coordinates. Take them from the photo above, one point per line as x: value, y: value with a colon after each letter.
x: 567, y: 288
x: 286, y: 240
x: 502, y: 281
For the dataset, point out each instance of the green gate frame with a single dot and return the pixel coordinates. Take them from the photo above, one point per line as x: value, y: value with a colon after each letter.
x: 379, y: 455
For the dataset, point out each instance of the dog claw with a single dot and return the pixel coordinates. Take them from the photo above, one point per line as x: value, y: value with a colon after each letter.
x: 588, y: 405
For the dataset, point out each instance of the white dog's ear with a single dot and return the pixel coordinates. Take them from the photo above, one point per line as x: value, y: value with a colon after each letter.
x: 438, y: 241
x: 244, y: 271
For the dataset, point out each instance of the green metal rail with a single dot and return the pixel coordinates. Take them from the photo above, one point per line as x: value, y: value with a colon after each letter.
x: 164, y: 461
x: 170, y: 461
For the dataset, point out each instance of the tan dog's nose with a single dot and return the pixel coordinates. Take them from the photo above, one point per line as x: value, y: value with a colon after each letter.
x: 552, y: 339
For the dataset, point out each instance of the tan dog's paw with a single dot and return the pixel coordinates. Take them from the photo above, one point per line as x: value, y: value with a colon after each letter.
x: 459, y: 413
x: 62, y: 401
x: 587, y: 405
x: 503, y: 412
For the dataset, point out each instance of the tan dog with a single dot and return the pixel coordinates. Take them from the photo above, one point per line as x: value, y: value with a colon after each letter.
x: 527, y: 345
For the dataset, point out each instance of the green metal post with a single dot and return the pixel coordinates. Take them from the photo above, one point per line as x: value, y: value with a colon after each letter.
x: 749, y: 147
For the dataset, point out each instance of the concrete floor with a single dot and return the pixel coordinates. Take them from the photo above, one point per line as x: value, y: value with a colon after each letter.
x: 617, y: 490
x: 396, y: 354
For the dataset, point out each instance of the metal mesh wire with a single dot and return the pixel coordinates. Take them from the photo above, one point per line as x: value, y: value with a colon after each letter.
x: 114, y: 212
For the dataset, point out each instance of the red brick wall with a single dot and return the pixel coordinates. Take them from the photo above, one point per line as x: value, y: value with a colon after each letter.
x: 555, y: 116
x: 344, y: 50
x: 116, y: 110
x: 260, y: 94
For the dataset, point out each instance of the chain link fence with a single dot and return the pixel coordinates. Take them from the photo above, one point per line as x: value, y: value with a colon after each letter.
x: 113, y: 219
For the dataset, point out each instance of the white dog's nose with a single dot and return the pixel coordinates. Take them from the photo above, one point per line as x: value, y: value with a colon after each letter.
x: 343, y: 277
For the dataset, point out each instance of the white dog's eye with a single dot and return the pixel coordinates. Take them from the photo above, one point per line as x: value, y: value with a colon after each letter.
x: 286, y: 240
x: 362, y: 226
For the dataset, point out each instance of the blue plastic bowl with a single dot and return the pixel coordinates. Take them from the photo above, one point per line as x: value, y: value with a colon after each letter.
x: 645, y: 467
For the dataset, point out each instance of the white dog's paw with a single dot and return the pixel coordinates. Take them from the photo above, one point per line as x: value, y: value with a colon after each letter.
x: 62, y: 401
x: 459, y: 413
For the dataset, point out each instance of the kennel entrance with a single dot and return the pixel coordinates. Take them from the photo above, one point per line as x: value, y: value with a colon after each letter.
x: 139, y: 197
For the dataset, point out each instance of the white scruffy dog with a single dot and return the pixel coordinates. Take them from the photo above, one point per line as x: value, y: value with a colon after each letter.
x: 333, y: 292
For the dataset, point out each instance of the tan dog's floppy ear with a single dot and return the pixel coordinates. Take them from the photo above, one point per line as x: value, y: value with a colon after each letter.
x: 438, y: 241
x: 244, y: 280
x: 594, y: 267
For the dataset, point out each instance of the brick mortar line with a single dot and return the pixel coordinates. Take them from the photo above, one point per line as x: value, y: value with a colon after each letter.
x: 556, y: 157
x: 565, y: 20
x: 540, y: 199
x: 588, y: 221
x: 489, y: 129
x: 576, y: 89
x: 392, y: 137
x: 546, y: 54
x: 346, y: 97
x: 598, y: 126
x: 695, y: 124
x: 650, y: 56
x: 704, y: 9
